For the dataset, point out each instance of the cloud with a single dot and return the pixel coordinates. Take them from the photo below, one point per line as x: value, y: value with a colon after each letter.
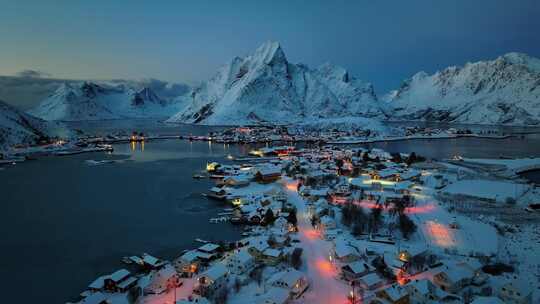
x: 32, y: 74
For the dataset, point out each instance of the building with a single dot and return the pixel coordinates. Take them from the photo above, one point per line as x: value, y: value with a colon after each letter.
x: 345, y: 253
x: 151, y: 262
x: 188, y: 263
x: 162, y: 279
x: 268, y: 174
x: 276, y: 295
x: 355, y: 270
x: 292, y: 280
x: 236, y: 181
x: 271, y: 256
x: 453, y: 277
x: 393, y: 294
x: 240, y: 262
x: 371, y: 281
x: 422, y: 291
x: 112, y: 282
x: 212, y: 279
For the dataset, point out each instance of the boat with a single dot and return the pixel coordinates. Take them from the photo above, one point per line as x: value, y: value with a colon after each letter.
x: 198, y: 176
x: 216, y: 220
x: 127, y: 260
x: 201, y: 241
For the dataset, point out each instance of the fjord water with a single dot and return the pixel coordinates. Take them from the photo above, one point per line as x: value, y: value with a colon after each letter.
x: 64, y: 223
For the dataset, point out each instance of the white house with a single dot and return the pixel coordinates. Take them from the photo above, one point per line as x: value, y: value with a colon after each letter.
x: 240, y: 262
x: 275, y: 295
x: 421, y: 291
x: 212, y: 279
x: 161, y: 280
x: 355, y: 270
x: 292, y: 280
x: 344, y: 252
x: 371, y: 281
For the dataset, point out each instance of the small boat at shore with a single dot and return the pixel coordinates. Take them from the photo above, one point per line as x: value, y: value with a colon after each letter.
x: 198, y: 176
x: 201, y: 241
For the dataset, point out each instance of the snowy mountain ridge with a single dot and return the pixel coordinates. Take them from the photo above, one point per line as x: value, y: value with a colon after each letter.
x: 502, y: 91
x: 17, y: 127
x: 92, y: 101
x: 265, y: 87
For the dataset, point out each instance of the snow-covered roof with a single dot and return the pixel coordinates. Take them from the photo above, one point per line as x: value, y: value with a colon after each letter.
x: 94, y: 298
x: 342, y: 250
x: 272, y: 252
x: 189, y: 256
x: 209, y: 247
x: 119, y: 275
x: 357, y: 267
x: 151, y: 260
x: 371, y: 279
x: 275, y: 295
x: 487, y: 300
x: 395, y: 292
x: 242, y: 257
x: 127, y: 282
x: 215, y: 272
x: 288, y: 277
x: 98, y: 283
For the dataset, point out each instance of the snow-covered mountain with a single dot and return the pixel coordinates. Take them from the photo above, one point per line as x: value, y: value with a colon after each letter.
x: 265, y: 87
x: 92, y: 101
x: 502, y: 91
x: 17, y: 127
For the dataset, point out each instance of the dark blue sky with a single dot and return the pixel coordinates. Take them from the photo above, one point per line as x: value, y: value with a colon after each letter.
x: 378, y: 41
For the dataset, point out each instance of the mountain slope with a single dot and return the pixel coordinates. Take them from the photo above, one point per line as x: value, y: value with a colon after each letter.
x: 91, y: 101
x: 502, y: 91
x: 17, y: 127
x: 265, y: 87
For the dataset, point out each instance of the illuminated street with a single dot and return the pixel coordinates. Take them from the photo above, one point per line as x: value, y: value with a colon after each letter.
x: 324, y: 286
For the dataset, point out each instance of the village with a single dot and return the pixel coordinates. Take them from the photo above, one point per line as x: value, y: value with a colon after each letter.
x: 349, y: 225
x: 89, y: 142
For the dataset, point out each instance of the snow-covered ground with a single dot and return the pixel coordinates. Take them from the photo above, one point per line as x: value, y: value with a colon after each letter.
x: 490, y: 189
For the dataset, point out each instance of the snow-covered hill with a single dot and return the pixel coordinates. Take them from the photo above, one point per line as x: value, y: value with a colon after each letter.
x: 92, y: 101
x: 17, y: 127
x: 265, y: 87
x: 502, y: 91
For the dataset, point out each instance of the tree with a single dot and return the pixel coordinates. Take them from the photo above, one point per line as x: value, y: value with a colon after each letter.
x: 396, y: 157
x: 291, y: 218
x: 346, y: 214
x: 339, y: 163
x: 375, y: 218
x: 221, y: 295
x: 269, y: 217
x: 256, y: 275
x: 237, y: 284
x: 365, y: 157
x: 411, y: 159
x: 358, y: 229
x: 296, y: 258
x: 406, y: 226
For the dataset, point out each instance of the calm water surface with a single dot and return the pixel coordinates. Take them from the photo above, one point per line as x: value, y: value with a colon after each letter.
x: 64, y: 223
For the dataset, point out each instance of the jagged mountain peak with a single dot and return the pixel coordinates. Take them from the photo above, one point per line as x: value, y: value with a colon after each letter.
x: 92, y: 101
x: 269, y: 52
x: 505, y: 90
x: 532, y: 63
x: 333, y: 71
x: 264, y: 86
